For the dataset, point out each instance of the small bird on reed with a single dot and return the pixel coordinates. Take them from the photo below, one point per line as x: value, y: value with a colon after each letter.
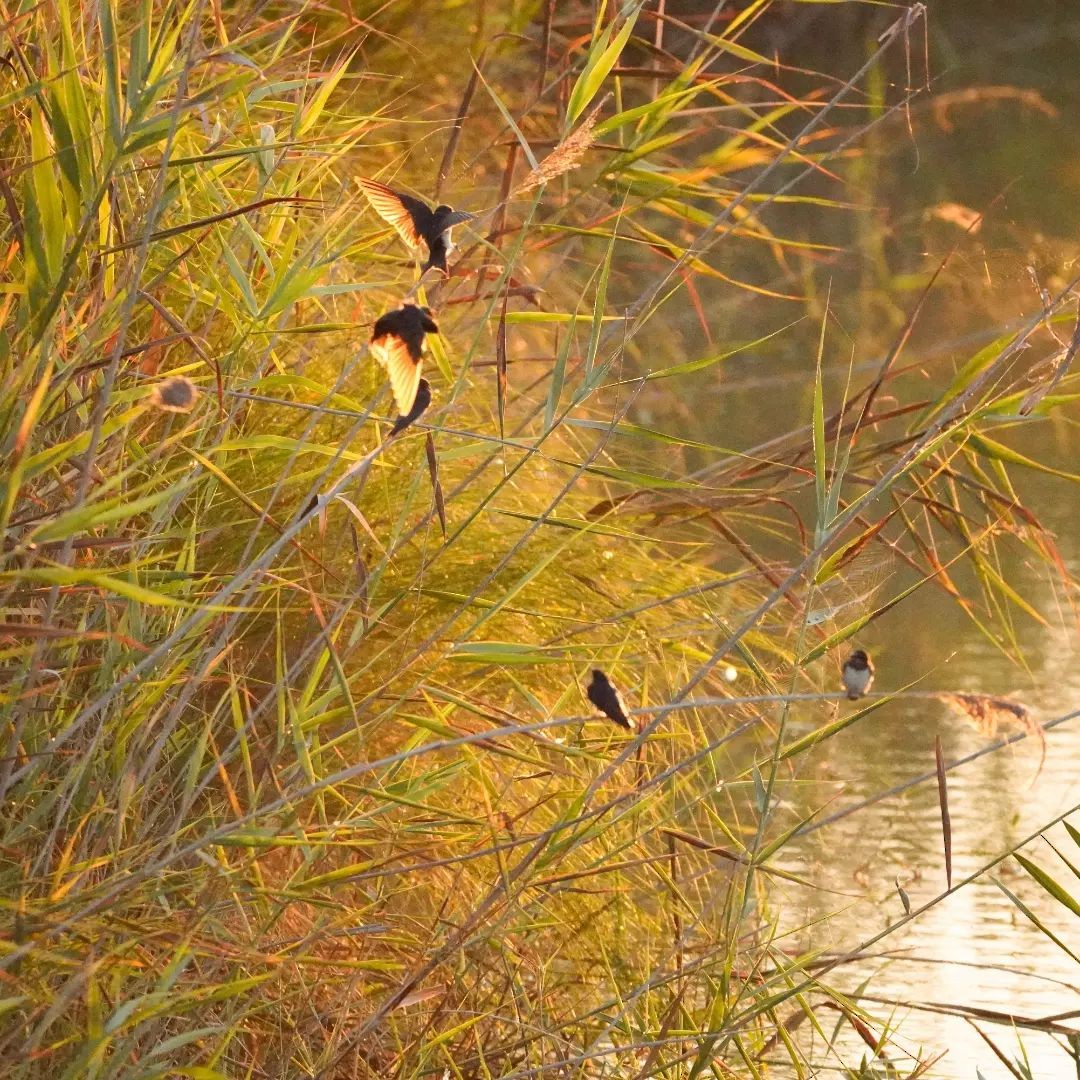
x: 415, y: 221
x: 397, y: 343
x: 608, y: 700
x: 858, y: 674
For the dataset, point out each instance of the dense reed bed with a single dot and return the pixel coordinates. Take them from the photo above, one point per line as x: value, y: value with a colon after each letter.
x: 296, y: 794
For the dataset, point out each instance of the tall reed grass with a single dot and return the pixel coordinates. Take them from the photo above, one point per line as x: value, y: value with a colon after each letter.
x: 319, y: 795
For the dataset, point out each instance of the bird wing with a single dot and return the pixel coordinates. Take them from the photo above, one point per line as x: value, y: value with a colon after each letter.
x: 401, y: 367
x: 622, y: 716
x: 408, y: 215
x: 609, y: 701
x: 423, y: 400
x: 455, y: 217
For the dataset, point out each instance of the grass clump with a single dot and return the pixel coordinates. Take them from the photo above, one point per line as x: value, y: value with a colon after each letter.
x: 318, y: 794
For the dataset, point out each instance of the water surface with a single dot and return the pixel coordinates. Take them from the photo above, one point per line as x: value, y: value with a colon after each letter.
x: 975, y: 949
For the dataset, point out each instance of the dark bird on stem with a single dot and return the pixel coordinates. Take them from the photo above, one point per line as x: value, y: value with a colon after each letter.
x: 608, y: 700
x: 397, y: 343
x: 415, y: 221
x: 423, y: 400
x: 858, y: 674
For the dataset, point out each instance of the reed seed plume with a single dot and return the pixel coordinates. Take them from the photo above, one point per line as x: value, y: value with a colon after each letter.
x: 176, y: 394
x: 567, y: 155
x: 987, y: 713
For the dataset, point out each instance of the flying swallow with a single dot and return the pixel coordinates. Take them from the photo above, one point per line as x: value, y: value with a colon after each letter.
x: 858, y: 674
x: 415, y: 221
x: 607, y: 699
x: 397, y: 343
x: 423, y: 400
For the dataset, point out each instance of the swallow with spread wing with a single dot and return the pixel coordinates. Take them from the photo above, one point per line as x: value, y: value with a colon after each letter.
x: 608, y: 700
x: 858, y: 674
x: 423, y: 400
x: 415, y: 221
x: 397, y: 343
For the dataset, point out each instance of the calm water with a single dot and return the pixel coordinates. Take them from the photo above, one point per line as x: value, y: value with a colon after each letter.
x: 975, y: 949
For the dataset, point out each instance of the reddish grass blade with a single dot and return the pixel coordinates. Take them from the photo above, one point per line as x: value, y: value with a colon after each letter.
x: 500, y: 365
x: 433, y: 472
x: 943, y: 800
x: 213, y: 219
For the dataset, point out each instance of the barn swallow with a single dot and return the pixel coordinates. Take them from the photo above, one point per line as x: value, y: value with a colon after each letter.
x: 423, y: 400
x: 415, y: 221
x: 858, y: 674
x: 397, y: 343
x: 174, y: 394
x: 607, y: 699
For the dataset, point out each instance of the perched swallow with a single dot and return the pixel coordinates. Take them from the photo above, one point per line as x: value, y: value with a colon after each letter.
x: 423, y: 400
x: 414, y: 220
x: 397, y: 343
x: 858, y: 674
x: 174, y: 394
x: 607, y: 699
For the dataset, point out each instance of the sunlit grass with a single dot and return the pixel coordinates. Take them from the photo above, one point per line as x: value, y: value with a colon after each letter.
x: 298, y: 794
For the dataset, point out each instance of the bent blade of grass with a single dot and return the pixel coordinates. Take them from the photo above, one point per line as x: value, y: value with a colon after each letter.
x: 96, y: 514
x: 827, y: 731
x: 1035, y: 919
x: 558, y: 377
x: 998, y: 452
x: 668, y: 101
x: 309, y: 115
x: 1050, y: 884
x: 690, y: 366
x: 603, y: 54
x: 67, y: 577
x: 531, y: 318
x: 504, y: 652
x: 943, y: 805
x: 820, y: 480
x: 599, y: 305
x: 526, y: 149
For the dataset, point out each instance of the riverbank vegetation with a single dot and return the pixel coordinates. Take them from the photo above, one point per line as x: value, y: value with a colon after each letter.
x: 292, y: 794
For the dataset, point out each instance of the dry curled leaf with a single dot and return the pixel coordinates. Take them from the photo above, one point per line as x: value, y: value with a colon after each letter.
x: 963, y: 217
x: 943, y: 105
